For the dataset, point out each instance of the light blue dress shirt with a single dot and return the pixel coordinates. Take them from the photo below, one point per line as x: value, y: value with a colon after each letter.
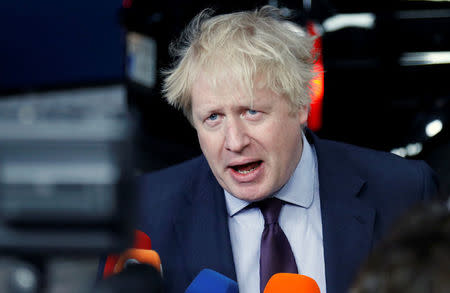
x: 300, y: 220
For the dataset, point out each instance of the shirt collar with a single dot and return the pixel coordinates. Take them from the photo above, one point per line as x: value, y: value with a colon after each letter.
x: 299, y: 190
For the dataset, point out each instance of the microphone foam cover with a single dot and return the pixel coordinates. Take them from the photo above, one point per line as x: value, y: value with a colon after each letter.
x: 291, y: 283
x: 141, y: 241
x: 208, y: 281
x: 142, y: 256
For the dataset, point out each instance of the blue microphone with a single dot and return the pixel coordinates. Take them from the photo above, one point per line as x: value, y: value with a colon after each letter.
x: 209, y: 281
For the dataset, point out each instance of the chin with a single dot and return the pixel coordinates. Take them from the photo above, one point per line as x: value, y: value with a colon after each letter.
x: 250, y: 196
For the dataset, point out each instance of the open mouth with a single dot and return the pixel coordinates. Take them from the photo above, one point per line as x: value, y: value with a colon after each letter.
x: 247, y: 168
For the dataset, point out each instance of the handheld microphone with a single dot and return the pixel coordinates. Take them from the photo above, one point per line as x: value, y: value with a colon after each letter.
x: 138, y: 278
x: 138, y: 256
x: 141, y: 241
x: 291, y: 283
x: 208, y: 281
x: 137, y: 269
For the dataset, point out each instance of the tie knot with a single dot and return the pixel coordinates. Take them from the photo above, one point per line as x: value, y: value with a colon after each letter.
x: 270, y: 208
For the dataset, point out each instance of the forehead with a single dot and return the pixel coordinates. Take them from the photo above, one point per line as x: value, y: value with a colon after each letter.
x: 227, y: 90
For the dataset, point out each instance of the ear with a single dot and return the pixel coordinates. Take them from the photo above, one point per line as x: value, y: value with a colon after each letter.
x: 302, y: 114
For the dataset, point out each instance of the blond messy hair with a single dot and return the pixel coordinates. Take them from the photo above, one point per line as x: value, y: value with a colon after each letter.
x: 247, y: 46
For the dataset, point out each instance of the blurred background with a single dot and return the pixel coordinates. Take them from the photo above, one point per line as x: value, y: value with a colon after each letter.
x: 79, y: 79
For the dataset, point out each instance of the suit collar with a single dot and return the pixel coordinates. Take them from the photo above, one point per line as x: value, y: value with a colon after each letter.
x: 347, y: 223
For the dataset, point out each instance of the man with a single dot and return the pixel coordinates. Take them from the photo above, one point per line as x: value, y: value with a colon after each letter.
x: 242, y: 80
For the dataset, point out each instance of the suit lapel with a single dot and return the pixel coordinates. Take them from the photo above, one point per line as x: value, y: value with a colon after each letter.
x: 202, y: 228
x: 347, y: 224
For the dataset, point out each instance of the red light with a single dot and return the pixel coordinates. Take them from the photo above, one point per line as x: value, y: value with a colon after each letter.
x: 317, y: 86
x: 127, y: 3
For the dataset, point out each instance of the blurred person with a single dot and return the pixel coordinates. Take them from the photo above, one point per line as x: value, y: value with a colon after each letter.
x: 243, y: 81
x: 414, y: 258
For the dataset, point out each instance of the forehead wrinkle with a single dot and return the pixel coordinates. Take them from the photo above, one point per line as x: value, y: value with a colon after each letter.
x: 224, y: 105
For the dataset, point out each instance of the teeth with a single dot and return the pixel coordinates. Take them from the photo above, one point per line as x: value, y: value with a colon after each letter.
x: 247, y: 171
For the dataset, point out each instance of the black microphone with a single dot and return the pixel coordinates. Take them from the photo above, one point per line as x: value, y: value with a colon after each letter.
x: 135, y: 278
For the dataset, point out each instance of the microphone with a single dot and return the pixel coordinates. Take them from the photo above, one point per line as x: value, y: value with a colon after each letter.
x: 208, y: 281
x: 135, y: 256
x: 141, y: 241
x: 291, y: 283
x: 137, y: 269
x: 138, y: 278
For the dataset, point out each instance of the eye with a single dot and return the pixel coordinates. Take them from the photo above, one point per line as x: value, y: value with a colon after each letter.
x: 213, y: 117
x: 252, y: 115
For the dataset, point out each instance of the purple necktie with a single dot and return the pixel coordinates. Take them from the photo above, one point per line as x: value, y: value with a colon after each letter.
x: 276, y: 253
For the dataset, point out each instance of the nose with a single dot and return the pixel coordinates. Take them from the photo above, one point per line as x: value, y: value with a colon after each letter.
x: 236, y: 137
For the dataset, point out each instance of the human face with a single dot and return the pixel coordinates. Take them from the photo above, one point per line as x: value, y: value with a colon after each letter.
x: 252, y: 148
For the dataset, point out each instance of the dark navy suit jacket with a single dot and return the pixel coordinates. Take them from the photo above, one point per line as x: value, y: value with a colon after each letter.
x: 362, y: 191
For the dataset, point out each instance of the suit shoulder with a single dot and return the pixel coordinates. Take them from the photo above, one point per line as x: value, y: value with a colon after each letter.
x: 389, y: 170
x: 373, y: 158
x: 170, y: 182
x: 162, y: 194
